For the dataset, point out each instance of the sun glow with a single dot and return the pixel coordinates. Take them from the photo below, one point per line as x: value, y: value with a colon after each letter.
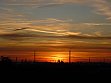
x: 58, y: 57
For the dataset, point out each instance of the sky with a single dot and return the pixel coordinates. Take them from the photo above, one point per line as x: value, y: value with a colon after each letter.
x: 84, y: 26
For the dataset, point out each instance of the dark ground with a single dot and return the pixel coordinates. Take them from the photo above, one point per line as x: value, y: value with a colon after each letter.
x: 55, y: 72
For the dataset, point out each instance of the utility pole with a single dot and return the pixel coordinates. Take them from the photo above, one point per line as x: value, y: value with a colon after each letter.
x: 34, y: 56
x: 89, y: 59
x: 69, y: 56
x: 104, y: 60
x: 16, y: 59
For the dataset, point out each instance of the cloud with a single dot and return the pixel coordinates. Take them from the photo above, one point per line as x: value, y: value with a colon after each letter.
x: 48, y: 24
x: 52, y: 20
x: 71, y: 1
x: 98, y: 24
x: 20, y: 29
x: 8, y: 15
x: 88, y: 37
x: 67, y: 35
x: 49, y: 5
x: 102, y: 7
x: 56, y: 33
x: 53, y: 26
x: 24, y: 20
x: 98, y: 33
x: 43, y: 3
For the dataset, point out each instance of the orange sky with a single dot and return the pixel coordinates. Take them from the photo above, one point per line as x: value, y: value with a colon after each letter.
x: 55, y: 56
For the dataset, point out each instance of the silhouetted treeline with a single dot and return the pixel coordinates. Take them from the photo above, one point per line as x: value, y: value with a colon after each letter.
x: 59, y: 70
x: 6, y: 63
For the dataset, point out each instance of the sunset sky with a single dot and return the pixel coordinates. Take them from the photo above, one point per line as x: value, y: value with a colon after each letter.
x: 52, y: 27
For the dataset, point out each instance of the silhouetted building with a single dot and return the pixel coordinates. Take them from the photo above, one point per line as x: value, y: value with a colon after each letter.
x: 60, y: 61
x: 5, y: 59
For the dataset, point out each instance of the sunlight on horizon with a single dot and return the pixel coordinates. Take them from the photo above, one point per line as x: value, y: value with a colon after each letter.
x: 58, y: 57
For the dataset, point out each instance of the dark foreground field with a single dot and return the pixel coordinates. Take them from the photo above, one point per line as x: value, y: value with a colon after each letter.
x: 56, y: 71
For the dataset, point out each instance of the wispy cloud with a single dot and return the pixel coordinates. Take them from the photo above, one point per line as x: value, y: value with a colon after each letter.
x: 9, y: 14
x: 98, y: 24
x: 102, y: 7
x: 67, y: 35
x: 50, y: 25
x: 89, y: 37
x: 57, y: 33
x: 54, y: 27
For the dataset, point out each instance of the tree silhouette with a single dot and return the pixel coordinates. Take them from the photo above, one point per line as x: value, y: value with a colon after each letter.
x: 5, y: 59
